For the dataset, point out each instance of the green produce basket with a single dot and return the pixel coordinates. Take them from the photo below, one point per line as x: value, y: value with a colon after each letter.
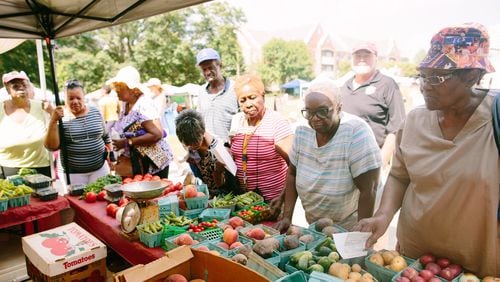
x: 170, y: 245
x: 168, y: 204
x: 255, y: 216
x: 19, y: 201
x: 341, y: 229
x: 198, y: 202
x: 270, y: 232
x: 241, y: 205
x: 192, y: 214
x: 226, y: 221
x: 243, y: 240
x: 211, y: 234
x: 171, y: 230
x: 398, y: 274
x: 317, y: 237
x: 297, y: 276
x: 151, y: 240
x: 316, y: 276
x: 4, y: 204
x: 212, y: 213
x: 381, y: 273
x: 16, y: 179
x: 285, y: 254
x: 212, y: 247
x: 418, y: 266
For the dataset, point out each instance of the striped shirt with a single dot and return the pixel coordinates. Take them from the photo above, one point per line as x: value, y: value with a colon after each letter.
x: 85, y: 137
x: 218, y: 109
x: 324, y: 179
x: 266, y: 169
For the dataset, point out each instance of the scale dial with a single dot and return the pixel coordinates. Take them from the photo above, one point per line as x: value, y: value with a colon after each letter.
x: 130, y: 217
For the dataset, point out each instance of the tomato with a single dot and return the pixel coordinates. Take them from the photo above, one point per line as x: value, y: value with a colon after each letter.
x: 127, y: 180
x: 111, y: 210
x: 123, y: 202
x: 146, y: 178
x: 156, y: 177
x: 90, y: 197
x: 138, y: 177
x: 101, y: 195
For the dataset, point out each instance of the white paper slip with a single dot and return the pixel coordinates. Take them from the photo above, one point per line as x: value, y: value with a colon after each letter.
x: 351, y: 244
x: 223, y: 156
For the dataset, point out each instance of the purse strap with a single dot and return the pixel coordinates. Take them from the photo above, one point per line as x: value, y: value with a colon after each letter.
x: 495, y: 112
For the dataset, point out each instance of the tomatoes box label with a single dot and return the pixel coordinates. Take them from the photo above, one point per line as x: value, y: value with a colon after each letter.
x: 62, y: 249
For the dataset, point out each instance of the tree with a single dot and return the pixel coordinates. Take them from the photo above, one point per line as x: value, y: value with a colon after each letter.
x: 285, y: 60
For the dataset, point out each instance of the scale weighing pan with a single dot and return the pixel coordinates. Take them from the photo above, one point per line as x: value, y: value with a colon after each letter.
x: 130, y: 217
x: 144, y: 189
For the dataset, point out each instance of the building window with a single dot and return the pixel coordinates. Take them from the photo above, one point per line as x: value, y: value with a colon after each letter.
x: 326, y: 67
x: 326, y: 53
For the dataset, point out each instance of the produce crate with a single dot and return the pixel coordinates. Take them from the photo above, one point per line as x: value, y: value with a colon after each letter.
x: 47, y: 194
x: 341, y: 229
x: 170, y: 245
x: 4, y: 204
x: 270, y: 232
x: 253, y: 216
x: 19, y: 201
x: 192, y: 214
x: 418, y: 266
x: 285, y: 254
x: 168, y: 204
x: 274, y: 259
x: 226, y: 221
x: 381, y: 273
x: 297, y: 276
x: 240, y: 205
x: 219, y: 214
x: 316, y: 276
x: 171, y: 230
x: 151, y: 240
x: 395, y: 277
x: 263, y: 267
x: 231, y: 207
x: 317, y: 237
x: 198, y: 202
x: 212, y: 247
x: 15, y: 179
x: 243, y: 240
x: 211, y: 234
x: 76, y: 189
x: 37, y: 181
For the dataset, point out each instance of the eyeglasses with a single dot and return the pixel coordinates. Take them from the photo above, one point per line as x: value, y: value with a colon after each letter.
x: 320, y: 113
x: 435, y: 79
x: 72, y: 83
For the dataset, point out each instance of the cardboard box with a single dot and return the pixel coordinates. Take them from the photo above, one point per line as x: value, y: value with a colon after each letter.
x: 65, y: 253
x: 192, y: 264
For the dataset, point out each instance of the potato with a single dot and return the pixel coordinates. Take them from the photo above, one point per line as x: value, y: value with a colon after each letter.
x: 387, y: 256
x: 377, y: 259
x: 339, y: 270
x: 322, y: 223
x: 398, y: 263
x: 356, y: 267
x: 291, y: 242
x: 294, y: 230
x: 240, y: 258
x: 354, y: 276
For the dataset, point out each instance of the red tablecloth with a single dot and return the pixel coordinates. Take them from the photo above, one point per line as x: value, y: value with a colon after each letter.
x: 92, y: 217
x: 34, y: 211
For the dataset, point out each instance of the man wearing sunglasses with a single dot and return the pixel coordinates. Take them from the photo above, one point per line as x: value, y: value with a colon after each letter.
x: 375, y: 98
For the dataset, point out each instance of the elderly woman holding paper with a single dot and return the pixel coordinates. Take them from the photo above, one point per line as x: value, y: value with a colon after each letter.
x: 210, y: 156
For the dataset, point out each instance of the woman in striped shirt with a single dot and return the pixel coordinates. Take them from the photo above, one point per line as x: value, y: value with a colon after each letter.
x: 260, y: 141
x: 85, y: 137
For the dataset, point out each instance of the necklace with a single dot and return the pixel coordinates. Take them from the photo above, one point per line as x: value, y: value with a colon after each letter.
x: 72, y: 127
x: 244, y: 156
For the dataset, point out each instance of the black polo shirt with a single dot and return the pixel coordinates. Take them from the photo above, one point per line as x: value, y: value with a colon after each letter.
x: 378, y: 102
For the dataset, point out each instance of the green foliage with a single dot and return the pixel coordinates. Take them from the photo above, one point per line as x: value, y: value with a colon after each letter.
x: 344, y: 66
x: 23, y: 58
x: 285, y: 60
x: 419, y: 56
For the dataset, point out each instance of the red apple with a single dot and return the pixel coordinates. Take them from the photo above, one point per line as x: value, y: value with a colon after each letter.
x: 455, y: 269
x: 443, y: 262
x: 434, y: 279
x: 409, y: 272
x: 402, y: 279
x: 446, y: 274
x: 425, y: 259
x: 433, y: 267
x: 426, y: 274
x: 417, y: 279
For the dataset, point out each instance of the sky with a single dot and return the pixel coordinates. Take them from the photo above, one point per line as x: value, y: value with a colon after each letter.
x: 411, y: 23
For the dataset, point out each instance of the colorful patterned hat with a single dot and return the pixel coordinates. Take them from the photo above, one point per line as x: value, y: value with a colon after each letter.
x: 459, y: 47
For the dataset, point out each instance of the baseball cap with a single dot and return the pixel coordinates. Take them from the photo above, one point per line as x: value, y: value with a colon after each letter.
x: 372, y: 48
x: 6, y: 77
x: 464, y: 46
x: 207, y: 54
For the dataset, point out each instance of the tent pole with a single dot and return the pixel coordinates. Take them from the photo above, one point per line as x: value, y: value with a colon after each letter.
x: 64, y: 150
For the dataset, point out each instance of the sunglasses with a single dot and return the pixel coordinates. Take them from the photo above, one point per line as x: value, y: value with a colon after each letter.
x: 321, y: 113
x: 435, y: 79
x: 72, y: 83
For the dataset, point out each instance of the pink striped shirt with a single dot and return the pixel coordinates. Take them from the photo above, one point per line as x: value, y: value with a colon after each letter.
x: 266, y: 169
